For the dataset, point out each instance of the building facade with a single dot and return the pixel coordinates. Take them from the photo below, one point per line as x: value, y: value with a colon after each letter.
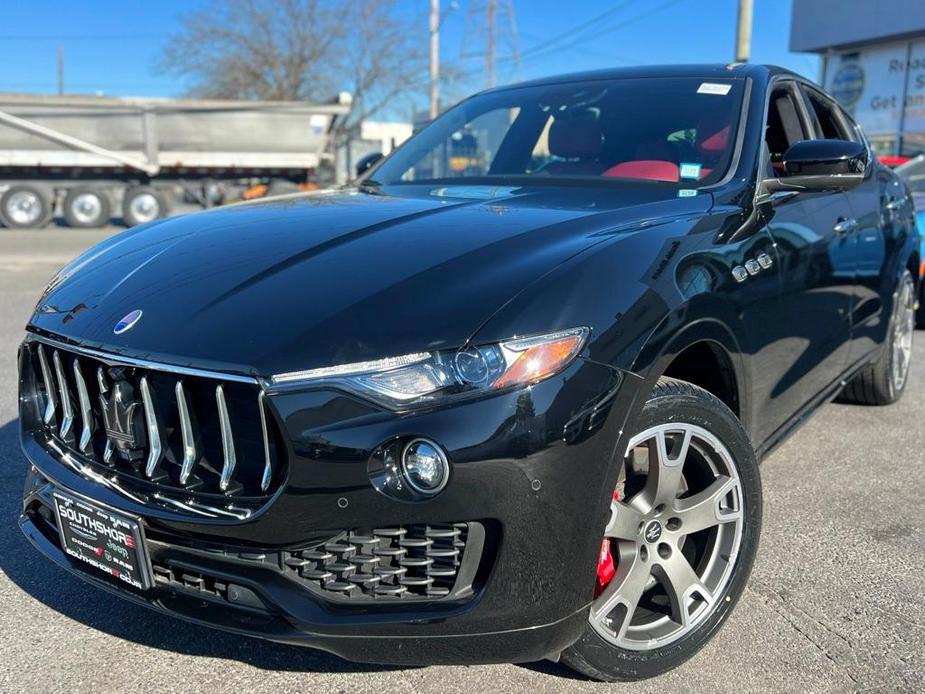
x: 873, y: 62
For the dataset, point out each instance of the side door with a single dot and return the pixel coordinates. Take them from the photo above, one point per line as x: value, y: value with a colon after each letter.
x: 816, y: 270
x: 866, y: 244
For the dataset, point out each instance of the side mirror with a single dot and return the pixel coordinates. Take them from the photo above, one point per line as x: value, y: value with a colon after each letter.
x: 367, y: 162
x: 825, y: 158
x: 821, y: 165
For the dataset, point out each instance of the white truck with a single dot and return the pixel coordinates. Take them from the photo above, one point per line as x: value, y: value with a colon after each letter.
x: 88, y: 156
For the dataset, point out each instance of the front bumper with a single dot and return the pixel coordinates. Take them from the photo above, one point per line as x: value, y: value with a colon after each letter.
x: 529, y: 478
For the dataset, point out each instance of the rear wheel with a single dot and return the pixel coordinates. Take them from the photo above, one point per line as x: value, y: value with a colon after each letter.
x: 884, y: 381
x: 920, y: 313
x: 680, y: 541
x: 143, y: 204
x: 26, y: 206
x: 86, y: 208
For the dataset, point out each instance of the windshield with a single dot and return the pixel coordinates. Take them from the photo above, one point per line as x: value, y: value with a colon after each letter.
x: 666, y: 130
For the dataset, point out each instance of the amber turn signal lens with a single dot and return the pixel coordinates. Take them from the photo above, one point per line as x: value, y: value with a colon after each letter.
x: 539, y: 361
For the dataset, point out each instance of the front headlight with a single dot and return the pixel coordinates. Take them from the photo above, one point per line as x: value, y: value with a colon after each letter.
x: 426, y: 377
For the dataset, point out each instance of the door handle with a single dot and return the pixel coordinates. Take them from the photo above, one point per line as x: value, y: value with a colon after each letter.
x: 845, y: 226
x: 894, y: 205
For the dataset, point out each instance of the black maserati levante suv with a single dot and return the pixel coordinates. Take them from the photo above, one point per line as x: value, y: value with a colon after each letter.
x: 502, y: 399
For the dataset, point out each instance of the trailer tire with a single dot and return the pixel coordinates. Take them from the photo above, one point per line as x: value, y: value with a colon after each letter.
x: 26, y: 206
x: 143, y: 204
x: 86, y: 208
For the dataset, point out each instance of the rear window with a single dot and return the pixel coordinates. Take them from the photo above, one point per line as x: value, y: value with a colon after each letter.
x: 678, y: 131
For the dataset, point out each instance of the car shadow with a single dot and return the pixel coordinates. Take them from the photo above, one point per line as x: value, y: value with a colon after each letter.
x: 68, y: 595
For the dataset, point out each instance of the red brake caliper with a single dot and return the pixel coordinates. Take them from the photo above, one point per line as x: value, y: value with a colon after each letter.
x: 606, y: 567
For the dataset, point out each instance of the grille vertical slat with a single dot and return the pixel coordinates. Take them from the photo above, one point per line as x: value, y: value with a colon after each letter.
x: 190, y: 456
x: 67, y: 410
x: 227, y: 439
x: 154, y: 435
x: 268, y: 461
x: 51, y: 404
x: 104, y: 388
x: 86, y: 413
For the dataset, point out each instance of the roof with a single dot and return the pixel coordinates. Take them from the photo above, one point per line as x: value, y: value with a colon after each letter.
x: 706, y: 71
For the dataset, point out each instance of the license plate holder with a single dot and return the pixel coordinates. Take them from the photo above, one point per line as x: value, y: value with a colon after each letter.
x: 109, y: 541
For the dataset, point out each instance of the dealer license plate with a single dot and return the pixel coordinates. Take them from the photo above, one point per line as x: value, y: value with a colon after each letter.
x: 108, y: 541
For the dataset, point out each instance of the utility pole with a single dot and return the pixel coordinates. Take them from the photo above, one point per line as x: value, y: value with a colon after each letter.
x: 744, y: 32
x: 434, y: 58
x: 491, y: 13
x: 60, y: 71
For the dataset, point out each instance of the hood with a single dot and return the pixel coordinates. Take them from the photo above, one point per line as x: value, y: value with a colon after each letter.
x: 315, y: 280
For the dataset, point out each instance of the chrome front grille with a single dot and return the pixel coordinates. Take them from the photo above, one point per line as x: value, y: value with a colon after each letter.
x: 192, y: 441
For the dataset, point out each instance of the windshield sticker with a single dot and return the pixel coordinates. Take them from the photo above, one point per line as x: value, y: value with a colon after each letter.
x: 687, y: 193
x: 690, y: 171
x: 714, y: 88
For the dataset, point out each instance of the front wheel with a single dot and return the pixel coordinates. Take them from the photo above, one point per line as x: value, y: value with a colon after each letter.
x: 26, y: 206
x: 680, y: 541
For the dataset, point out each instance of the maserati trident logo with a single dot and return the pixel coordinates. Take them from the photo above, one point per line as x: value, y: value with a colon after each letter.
x: 122, y: 418
x: 653, y: 531
x: 128, y: 322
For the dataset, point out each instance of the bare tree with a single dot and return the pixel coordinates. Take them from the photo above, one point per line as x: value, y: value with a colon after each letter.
x: 301, y: 49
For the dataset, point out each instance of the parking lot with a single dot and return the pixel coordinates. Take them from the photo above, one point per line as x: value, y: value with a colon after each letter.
x: 836, y: 602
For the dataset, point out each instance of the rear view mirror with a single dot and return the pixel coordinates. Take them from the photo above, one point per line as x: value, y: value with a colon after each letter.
x: 821, y: 165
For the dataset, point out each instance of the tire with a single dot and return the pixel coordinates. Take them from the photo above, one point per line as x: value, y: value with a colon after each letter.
x: 884, y: 381
x: 143, y: 204
x: 920, y: 312
x: 710, y: 461
x: 86, y: 208
x: 26, y: 206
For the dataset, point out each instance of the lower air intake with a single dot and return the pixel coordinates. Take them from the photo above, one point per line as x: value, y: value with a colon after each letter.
x: 407, y: 562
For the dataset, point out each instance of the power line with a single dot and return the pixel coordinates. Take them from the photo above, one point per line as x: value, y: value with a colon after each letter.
x: 80, y: 37
x: 605, y: 30
x: 576, y: 29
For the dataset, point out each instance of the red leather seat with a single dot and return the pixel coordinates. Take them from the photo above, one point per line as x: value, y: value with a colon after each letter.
x: 649, y: 169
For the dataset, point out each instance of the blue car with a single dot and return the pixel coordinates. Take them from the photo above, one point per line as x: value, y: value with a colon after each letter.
x: 913, y: 171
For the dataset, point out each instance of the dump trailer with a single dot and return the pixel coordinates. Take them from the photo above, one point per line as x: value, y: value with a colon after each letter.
x: 93, y: 157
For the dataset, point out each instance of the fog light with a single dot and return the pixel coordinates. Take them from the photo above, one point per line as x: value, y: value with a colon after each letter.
x: 425, y: 466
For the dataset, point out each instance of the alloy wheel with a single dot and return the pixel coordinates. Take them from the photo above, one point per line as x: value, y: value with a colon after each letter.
x: 674, y: 533
x: 24, y: 207
x: 145, y: 207
x: 87, y: 208
x: 903, y: 327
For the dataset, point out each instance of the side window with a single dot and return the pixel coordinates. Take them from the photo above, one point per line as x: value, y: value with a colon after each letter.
x: 828, y: 121
x: 784, y: 127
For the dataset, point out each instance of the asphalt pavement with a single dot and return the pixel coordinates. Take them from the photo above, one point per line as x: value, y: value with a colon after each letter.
x: 836, y: 601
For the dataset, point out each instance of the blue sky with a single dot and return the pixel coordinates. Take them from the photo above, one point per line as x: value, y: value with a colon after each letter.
x: 112, y: 46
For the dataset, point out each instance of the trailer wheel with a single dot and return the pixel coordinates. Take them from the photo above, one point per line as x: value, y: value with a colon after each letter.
x: 86, y: 208
x: 143, y: 204
x: 26, y: 206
